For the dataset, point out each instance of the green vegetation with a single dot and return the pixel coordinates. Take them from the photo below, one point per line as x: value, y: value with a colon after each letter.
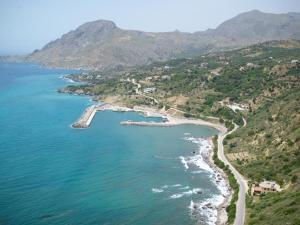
x: 264, y: 78
x: 272, y: 137
x: 275, y: 208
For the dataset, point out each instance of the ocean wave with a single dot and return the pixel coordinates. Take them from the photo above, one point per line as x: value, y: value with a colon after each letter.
x: 157, y: 190
x: 165, y: 187
x: 176, y: 185
x: 207, y: 209
x: 200, y: 159
x: 184, y: 188
x: 187, y: 193
x: 168, y: 186
x: 197, y: 171
x: 184, y: 162
x: 69, y: 80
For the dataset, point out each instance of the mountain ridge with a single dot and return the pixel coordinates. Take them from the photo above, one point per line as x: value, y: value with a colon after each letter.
x: 101, y: 44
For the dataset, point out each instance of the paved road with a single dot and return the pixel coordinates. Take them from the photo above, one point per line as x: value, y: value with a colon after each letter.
x: 241, y: 204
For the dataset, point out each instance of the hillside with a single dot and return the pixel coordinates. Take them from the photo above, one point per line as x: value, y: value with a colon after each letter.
x: 263, y: 78
x: 102, y: 45
x: 268, y: 148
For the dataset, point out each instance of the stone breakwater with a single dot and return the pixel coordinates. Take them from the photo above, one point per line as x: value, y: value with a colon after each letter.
x: 88, y: 115
x: 86, y: 118
x: 175, y: 121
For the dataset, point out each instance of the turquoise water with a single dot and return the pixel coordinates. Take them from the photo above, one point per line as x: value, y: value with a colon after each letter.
x: 107, y: 174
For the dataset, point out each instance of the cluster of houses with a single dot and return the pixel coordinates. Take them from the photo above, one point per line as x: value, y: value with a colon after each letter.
x: 155, y: 78
x: 265, y: 187
x: 249, y: 65
x: 234, y: 106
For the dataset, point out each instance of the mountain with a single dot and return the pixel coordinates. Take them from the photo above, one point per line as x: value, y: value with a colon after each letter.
x: 101, y: 44
x: 255, y: 26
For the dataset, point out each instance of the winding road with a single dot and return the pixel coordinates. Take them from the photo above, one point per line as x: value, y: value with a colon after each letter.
x: 243, y: 185
x: 138, y: 92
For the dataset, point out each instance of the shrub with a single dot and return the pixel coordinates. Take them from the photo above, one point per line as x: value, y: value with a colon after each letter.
x: 294, y: 178
x: 268, y: 136
x: 250, y: 133
x: 232, y: 145
x: 290, y: 143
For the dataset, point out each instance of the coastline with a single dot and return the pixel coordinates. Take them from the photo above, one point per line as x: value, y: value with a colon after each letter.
x: 219, y: 176
x: 213, y: 208
x: 222, y: 213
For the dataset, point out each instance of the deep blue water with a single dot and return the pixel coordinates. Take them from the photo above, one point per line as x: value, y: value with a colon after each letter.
x: 53, y: 174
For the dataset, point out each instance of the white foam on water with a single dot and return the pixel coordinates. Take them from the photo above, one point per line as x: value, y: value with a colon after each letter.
x: 192, y: 205
x: 164, y: 187
x: 203, y: 210
x: 157, y: 190
x: 69, y: 80
x: 208, y: 208
x: 197, y: 171
x: 184, y: 162
x: 186, y: 193
x: 200, y: 159
x: 184, y: 188
x: 176, y: 185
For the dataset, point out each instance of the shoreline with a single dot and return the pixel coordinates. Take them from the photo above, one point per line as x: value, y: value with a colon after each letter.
x: 213, y: 208
x: 226, y: 192
x: 222, y: 216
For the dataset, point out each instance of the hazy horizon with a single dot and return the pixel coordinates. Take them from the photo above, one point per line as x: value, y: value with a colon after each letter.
x: 30, y: 25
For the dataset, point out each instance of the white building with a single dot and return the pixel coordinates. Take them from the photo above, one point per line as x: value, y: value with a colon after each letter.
x: 149, y: 90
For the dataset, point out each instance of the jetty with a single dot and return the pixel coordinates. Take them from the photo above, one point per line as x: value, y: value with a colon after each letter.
x: 86, y: 118
x: 168, y: 120
x: 143, y: 123
x: 89, y: 113
x: 174, y: 121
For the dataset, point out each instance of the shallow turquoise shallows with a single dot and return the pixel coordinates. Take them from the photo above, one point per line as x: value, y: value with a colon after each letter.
x: 107, y: 174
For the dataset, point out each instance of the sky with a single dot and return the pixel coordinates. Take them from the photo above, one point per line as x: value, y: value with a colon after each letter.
x: 27, y: 25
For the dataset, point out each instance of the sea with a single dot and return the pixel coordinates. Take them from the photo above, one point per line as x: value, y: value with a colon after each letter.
x: 107, y: 174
